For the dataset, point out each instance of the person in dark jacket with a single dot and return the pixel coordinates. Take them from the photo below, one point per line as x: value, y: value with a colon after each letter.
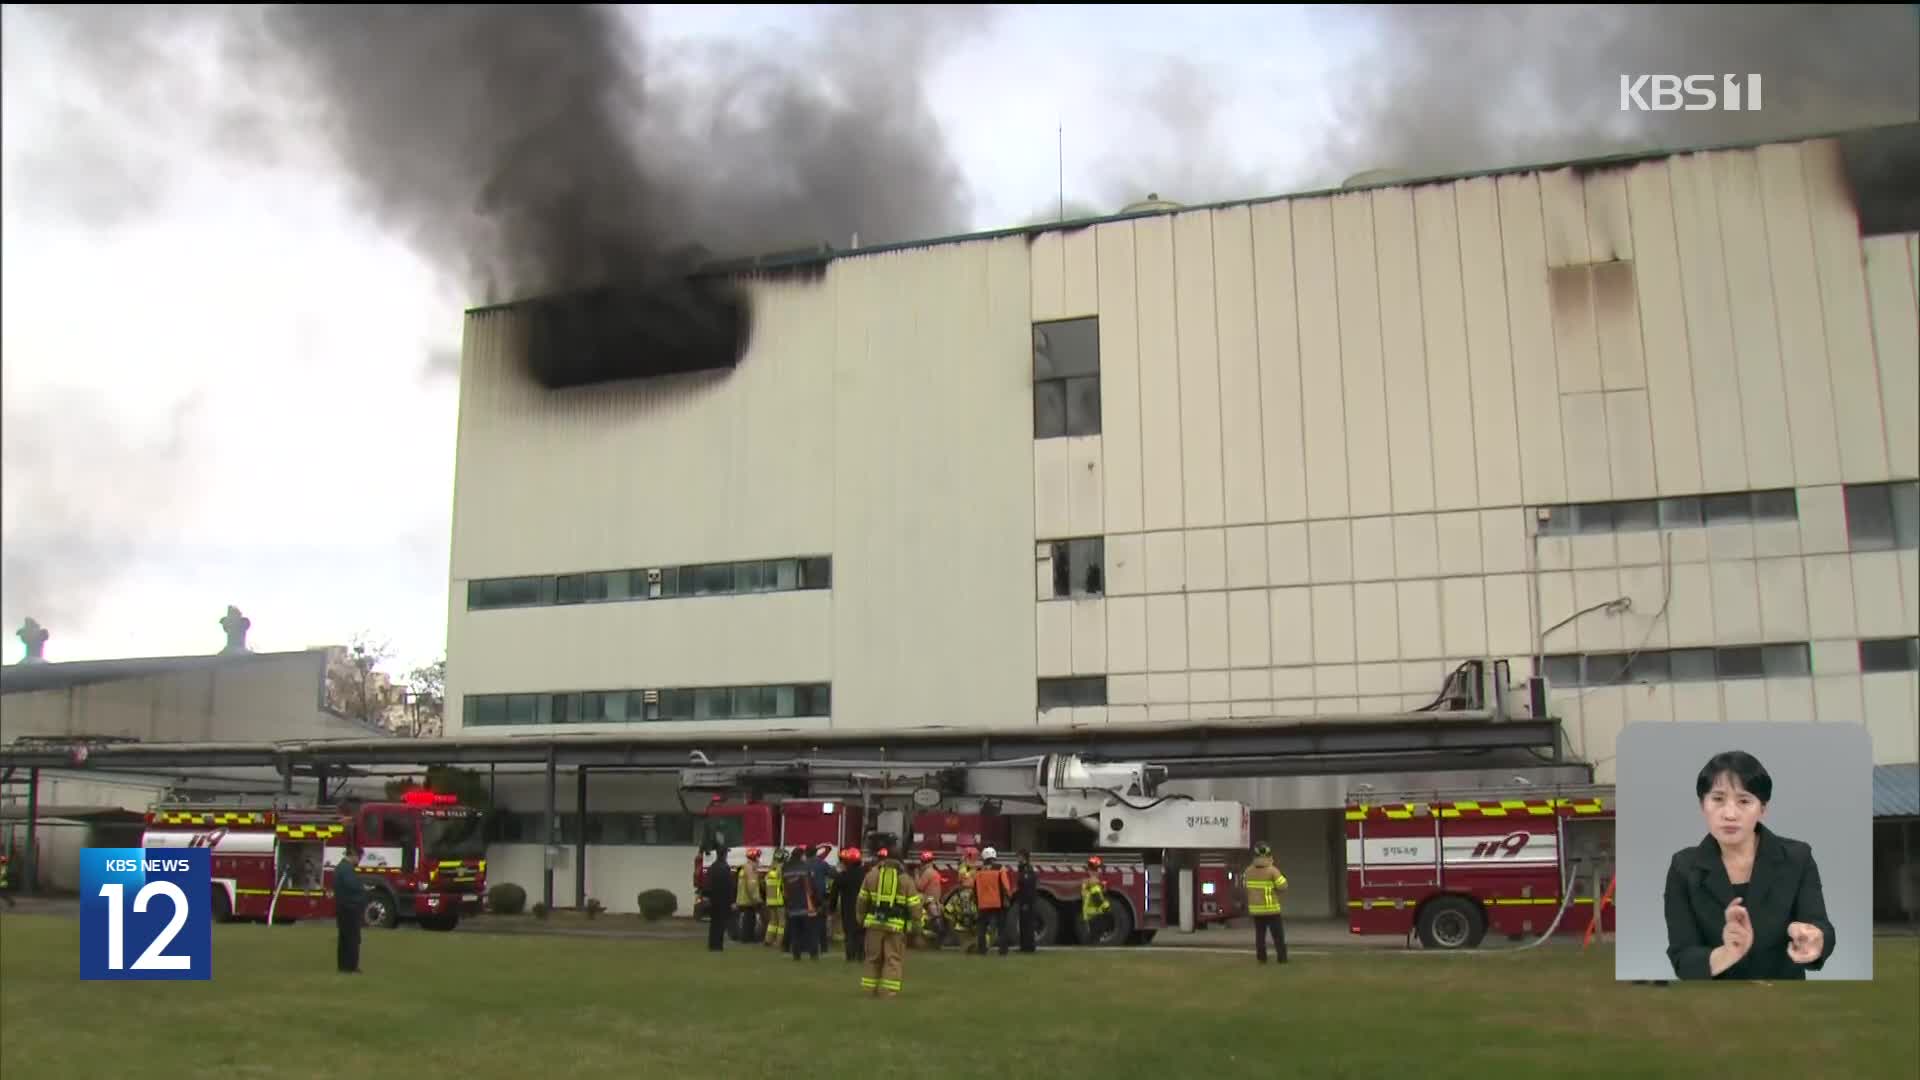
x: 1745, y: 902
x: 822, y: 868
x: 803, y: 905
x: 719, y: 887
x: 1026, y: 893
x: 349, y: 909
x: 846, y: 897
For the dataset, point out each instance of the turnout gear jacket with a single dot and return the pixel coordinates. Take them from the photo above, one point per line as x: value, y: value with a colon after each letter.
x: 1264, y: 883
x: 888, y: 899
x: 748, y: 894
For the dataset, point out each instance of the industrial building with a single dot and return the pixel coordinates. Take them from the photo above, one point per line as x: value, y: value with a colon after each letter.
x: 234, y: 695
x: 1648, y: 427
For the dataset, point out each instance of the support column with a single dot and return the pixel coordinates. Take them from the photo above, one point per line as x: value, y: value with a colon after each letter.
x: 550, y: 836
x: 32, y: 862
x: 580, y: 841
x: 320, y: 799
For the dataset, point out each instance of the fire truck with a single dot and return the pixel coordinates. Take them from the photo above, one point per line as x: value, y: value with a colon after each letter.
x: 425, y: 853
x: 1453, y: 866
x: 1167, y: 860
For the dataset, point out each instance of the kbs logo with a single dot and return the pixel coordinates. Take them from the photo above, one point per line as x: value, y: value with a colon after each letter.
x: 1505, y: 847
x: 146, y: 914
x: 1692, y: 93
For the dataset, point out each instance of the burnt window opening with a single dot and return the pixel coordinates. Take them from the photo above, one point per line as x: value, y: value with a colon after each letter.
x: 1079, y: 567
x: 1889, y: 654
x: 1883, y: 517
x: 1066, y: 378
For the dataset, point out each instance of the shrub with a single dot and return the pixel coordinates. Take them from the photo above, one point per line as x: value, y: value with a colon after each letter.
x: 506, y: 899
x: 594, y: 908
x: 539, y: 910
x: 657, y: 904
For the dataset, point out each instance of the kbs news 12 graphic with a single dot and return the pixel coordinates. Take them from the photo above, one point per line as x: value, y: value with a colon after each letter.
x: 146, y: 913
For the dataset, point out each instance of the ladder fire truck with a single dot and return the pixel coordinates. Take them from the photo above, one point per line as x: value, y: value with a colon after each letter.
x: 1452, y: 866
x: 425, y: 853
x: 1168, y: 860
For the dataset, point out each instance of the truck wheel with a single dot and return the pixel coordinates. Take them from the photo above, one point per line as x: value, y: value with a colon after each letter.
x: 441, y: 923
x: 383, y: 909
x: 1046, y: 923
x: 1119, y: 926
x: 222, y: 907
x: 1452, y: 922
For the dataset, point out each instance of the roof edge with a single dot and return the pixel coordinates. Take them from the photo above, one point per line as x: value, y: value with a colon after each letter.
x: 825, y: 254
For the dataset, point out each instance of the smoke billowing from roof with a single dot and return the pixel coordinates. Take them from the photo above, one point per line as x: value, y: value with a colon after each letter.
x: 553, y: 149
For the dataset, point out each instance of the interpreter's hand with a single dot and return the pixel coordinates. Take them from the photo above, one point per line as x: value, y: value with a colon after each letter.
x: 1805, y: 942
x: 1737, y: 934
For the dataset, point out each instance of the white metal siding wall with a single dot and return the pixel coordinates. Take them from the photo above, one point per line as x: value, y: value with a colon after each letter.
x: 1324, y: 421
x: 1427, y: 364
x: 882, y: 416
x: 267, y: 697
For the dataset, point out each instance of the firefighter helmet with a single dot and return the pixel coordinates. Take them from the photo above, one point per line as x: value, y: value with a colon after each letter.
x: 779, y: 856
x: 1093, y: 862
x: 989, y: 854
x: 753, y: 854
x: 926, y: 856
x: 1263, y: 848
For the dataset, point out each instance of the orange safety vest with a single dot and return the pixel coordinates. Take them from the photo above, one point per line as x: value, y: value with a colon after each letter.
x: 991, y: 887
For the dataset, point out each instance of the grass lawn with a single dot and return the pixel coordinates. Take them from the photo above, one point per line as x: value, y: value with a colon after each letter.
x: 519, y: 1005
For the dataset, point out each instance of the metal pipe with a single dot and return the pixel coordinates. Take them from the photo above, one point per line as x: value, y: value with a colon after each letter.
x: 580, y: 841
x: 33, y: 832
x: 552, y: 834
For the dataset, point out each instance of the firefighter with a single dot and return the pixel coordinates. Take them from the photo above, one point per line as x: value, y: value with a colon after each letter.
x: 5, y: 892
x: 889, y: 904
x: 775, y: 895
x: 1026, y: 893
x: 992, y: 889
x: 748, y: 899
x: 846, y: 899
x: 1094, y: 906
x: 719, y: 889
x: 930, y: 928
x: 349, y: 909
x: 1264, y: 884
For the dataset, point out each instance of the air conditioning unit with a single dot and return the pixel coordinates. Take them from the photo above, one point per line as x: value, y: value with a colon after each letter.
x: 650, y: 697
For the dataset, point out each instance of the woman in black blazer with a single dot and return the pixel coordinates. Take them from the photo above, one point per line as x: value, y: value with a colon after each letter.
x: 1744, y: 903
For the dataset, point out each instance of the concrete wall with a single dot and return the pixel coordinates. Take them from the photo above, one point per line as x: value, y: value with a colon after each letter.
x: 1328, y: 425
x: 267, y: 696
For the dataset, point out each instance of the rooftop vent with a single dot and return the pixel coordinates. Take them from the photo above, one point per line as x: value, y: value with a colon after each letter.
x: 236, y: 625
x: 34, y: 637
x: 1153, y: 203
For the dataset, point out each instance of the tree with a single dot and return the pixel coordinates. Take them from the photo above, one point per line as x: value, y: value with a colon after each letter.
x: 427, y: 699
x: 356, y: 688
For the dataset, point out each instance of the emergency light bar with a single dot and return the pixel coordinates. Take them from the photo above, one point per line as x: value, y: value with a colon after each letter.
x: 429, y: 798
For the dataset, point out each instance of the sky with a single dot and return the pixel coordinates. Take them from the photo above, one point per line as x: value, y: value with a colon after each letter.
x: 230, y: 314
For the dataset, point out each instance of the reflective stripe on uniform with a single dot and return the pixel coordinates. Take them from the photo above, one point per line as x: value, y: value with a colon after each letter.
x: 1263, y: 899
x: 888, y: 908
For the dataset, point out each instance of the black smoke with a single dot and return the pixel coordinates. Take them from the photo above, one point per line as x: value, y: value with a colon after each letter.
x: 558, y: 157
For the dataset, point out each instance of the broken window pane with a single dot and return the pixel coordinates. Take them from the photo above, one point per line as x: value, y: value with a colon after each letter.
x: 1083, y: 406
x: 1069, y: 347
x: 1050, y: 409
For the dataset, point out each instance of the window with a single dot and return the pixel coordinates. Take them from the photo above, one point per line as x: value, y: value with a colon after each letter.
x: 1079, y: 567
x: 1883, y: 517
x: 1071, y: 693
x: 1685, y: 512
x: 1780, y: 660
x: 640, y: 706
x: 1066, y: 378
x: 658, y: 583
x: 1890, y: 654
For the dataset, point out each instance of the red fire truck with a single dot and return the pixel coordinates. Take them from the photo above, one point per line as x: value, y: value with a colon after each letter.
x: 426, y: 853
x: 1144, y: 878
x: 1453, y: 866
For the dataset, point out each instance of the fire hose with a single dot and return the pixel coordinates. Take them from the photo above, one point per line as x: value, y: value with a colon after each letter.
x: 1566, y: 901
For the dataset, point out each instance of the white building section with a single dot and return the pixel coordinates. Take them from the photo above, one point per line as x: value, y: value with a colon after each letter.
x: 1645, y: 427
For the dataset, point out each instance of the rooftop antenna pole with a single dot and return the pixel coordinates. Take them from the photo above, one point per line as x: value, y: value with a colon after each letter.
x: 1060, y: 135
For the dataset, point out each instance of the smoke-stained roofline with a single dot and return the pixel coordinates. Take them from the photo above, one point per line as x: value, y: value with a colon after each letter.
x: 824, y: 254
